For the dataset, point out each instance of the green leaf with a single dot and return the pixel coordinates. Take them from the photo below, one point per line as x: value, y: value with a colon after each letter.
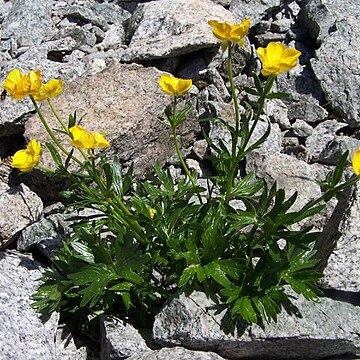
x: 72, y: 120
x: 215, y: 271
x: 251, y: 91
x: 244, y: 307
x: 84, y: 251
x: 277, y: 95
x: 68, y: 158
x: 261, y: 140
x: 55, y: 154
x: 258, y: 83
x: 187, y: 276
x: 339, y: 170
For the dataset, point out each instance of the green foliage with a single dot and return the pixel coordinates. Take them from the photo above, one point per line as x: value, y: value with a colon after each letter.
x: 150, y: 239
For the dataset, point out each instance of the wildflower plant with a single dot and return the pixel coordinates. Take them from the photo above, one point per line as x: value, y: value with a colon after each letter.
x: 151, y: 239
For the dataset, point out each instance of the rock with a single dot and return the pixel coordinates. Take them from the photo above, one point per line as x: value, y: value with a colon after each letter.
x: 52, y: 228
x: 176, y: 353
x: 124, y: 102
x: 334, y: 149
x: 277, y: 111
x: 322, y: 17
x: 20, y: 207
x: 322, y: 135
x: 22, y: 331
x: 168, y: 28
x: 290, y: 174
x: 264, y: 39
x: 200, y: 148
x: 341, y: 239
x: 301, y: 128
x: 256, y: 10
x: 324, y: 330
x: 120, y: 340
x: 305, y: 94
x: 337, y: 68
x: 271, y: 145
x: 30, y: 19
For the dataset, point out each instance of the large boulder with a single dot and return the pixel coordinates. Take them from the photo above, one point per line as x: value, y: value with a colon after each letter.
x: 124, y: 102
x: 28, y: 21
x: 23, y: 334
x: 336, y: 66
x: 168, y: 28
x: 328, y: 329
x: 20, y: 207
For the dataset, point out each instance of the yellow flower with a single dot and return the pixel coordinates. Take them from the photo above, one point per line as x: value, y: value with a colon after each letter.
x: 152, y: 213
x: 276, y: 58
x: 174, y: 86
x: 86, y: 140
x: 356, y: 162
x: 49, y: 90
x: 28, y: 158
x: 100, y: 141
x: 230, y: 33
x: 19, y: 85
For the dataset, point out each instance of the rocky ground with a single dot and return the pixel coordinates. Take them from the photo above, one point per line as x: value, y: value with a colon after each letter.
x: 110, y: 55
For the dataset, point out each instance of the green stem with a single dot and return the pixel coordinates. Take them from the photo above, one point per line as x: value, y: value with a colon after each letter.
x: 178, y: 152
x: 266, y: 90
x: 235, y: 135
x: 51, y: 134
x: 45, y: 168
x: 57, y: 116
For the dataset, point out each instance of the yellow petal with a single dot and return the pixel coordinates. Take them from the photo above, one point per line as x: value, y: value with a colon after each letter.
x: 35, y: 81
x: 81, y: 138
x: 230, y: 33
x: 49, y: 90
x: 28, y: 158
x: 356, y: 162
x: 100, y: 141
x: 16, y: 84
x: 174, y: 86
x: 276, y: 58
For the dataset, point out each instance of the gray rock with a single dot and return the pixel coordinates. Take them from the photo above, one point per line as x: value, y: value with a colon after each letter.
x: 290, y: 174
x: 277, y: 111
x: 305, y: 94
x: 306, y: 108
x: 325, y: 329
x: 264, y: 39
x: 321, y: 17
x: 113, y: 38
x: 29, y: 19
x: 83, y: 13
x: 52, y: 228
x: 334, y: 149
x: 271, y: 145
x: 200, y: 148
x: 342, y: 271
x: 255, y: 9
x: 282, y: 25
x: 176, y: 353
x: 168, y: 28
x: 20, y: 207
x: 323, y: 134
x: 301, y: 128
x: 22, y: 331
x: 119, y: 340
x: 124, y: 102
x: 337, y: 68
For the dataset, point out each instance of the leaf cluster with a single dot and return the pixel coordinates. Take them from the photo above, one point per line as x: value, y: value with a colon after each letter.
x: 152, y: 238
